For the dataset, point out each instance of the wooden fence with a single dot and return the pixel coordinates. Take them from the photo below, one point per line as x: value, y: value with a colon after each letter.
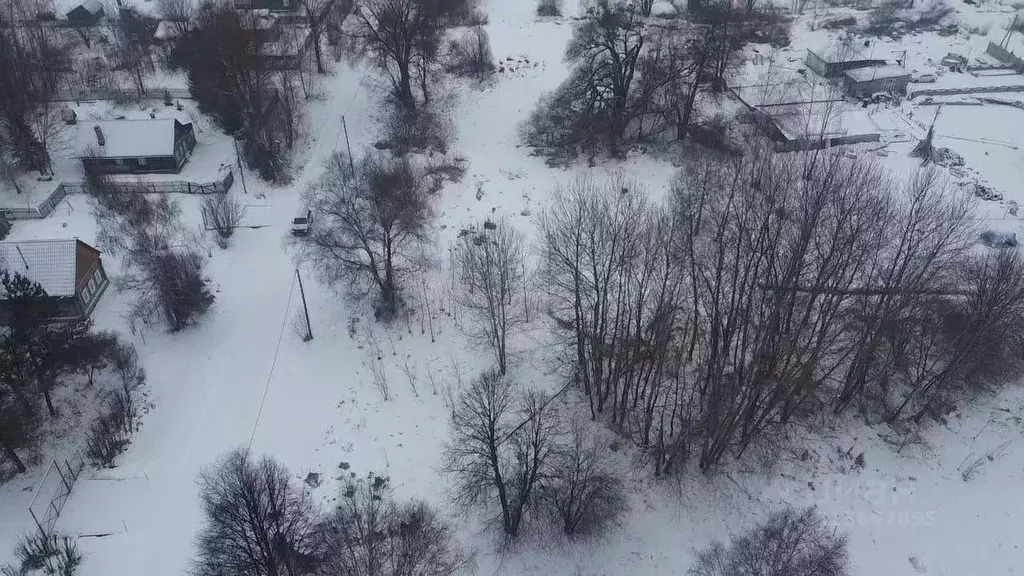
x: 68, y: 94
x: 62, y: 189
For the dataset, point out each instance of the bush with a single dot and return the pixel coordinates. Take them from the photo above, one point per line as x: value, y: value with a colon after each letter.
x: 582, y: 495
x: 173, y: 285
x: 111, y: 432
x: 420, y: 130
x: 369, y: 533
x: 223, y: 213
x: 714, y: 133
x: 767, y: 25
x: 470, y: 55
x: 549, y: 8
x: 54, y: 554
x: 789, y: 543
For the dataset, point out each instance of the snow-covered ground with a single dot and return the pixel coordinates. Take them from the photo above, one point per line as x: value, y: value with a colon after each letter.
x: 242, y: 376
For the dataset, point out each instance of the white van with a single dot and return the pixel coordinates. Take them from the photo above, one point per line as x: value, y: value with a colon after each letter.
x: 300, y: 224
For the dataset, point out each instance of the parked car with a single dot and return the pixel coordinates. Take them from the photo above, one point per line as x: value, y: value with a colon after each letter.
x: 924, y: 78
x: 301, y: 222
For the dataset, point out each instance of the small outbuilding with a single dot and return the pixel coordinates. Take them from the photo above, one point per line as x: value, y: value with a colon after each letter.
x: 88, y: 12
x: 69, y: 271
x: 135, y: 146
x: 864, y: 82
x: 834, y: 61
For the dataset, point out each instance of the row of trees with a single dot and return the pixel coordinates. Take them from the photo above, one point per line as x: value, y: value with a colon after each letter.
x: 258, y: 522
x: 636, y: 80
x: 770, y: 288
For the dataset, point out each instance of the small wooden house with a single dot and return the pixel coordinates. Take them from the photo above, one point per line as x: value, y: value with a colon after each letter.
x: 135, y: 146
x: 69, y: 270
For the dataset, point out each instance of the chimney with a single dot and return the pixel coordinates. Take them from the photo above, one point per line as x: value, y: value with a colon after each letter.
x: 99, y: 135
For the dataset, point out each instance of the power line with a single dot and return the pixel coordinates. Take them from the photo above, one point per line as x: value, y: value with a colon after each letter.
x: 273, y: 364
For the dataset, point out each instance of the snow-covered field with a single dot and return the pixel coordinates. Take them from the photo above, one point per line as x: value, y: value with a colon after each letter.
x: 243, y: 377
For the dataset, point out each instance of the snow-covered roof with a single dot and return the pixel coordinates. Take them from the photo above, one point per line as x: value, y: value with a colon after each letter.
x: 851, y: 51
x: 92, y: 6
x: 166, y: 30
x: 877, y: 73
x: 126, y: 138
x: 51, y: 263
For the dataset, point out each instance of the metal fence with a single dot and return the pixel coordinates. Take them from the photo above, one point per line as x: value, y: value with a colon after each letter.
x: 62, y: 189
x: 54, y: 490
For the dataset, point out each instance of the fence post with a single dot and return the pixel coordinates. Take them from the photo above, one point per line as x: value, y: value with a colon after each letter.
x: 36, y: 520
x: 62, y: 478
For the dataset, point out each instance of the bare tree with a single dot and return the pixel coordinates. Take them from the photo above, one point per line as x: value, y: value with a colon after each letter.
x: 470, y: 55
x: 159, y: 262
x: 256, y: 521
x: 582, y: 493
x: 606, y: 49
x: 170, y: 285
x: 223, y: 213
x: 179, y: 13
x: 500, y: 452
x: 401, y: 37
x: 370, y: 224
x: 317, y: 14
x: 789, y: 543
x: 18, y: 423
x: 9, y: 172
x: 491, y: 271
x: 369, y: 534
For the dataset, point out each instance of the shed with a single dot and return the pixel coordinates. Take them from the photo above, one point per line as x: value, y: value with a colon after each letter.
x: 864, y: 82
x: 69, y: 271
x: 88, y: 12
x: 835, y: 60
x: 135, y: 146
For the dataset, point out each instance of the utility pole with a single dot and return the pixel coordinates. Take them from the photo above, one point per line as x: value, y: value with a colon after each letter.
x: 241, y: 170
x: 309, y: 327
x: 348, y: 145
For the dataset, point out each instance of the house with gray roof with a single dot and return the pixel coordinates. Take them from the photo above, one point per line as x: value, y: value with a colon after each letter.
x: 160, y: 145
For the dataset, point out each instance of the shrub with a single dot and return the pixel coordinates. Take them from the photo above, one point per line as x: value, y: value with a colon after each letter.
x: 421, y: 130
x: 52, y: 554
x: 110, y: 433
x: 790, y: 543
x: 582, y: 495
x: 172, y: 284
x: 223, y: 214
x: 470, y: 55
x: 369, y: 533
x: 549, y: 8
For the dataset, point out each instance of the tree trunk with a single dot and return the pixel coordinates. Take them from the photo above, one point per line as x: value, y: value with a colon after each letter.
x: 49, y: 402
x: 13, y: 457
